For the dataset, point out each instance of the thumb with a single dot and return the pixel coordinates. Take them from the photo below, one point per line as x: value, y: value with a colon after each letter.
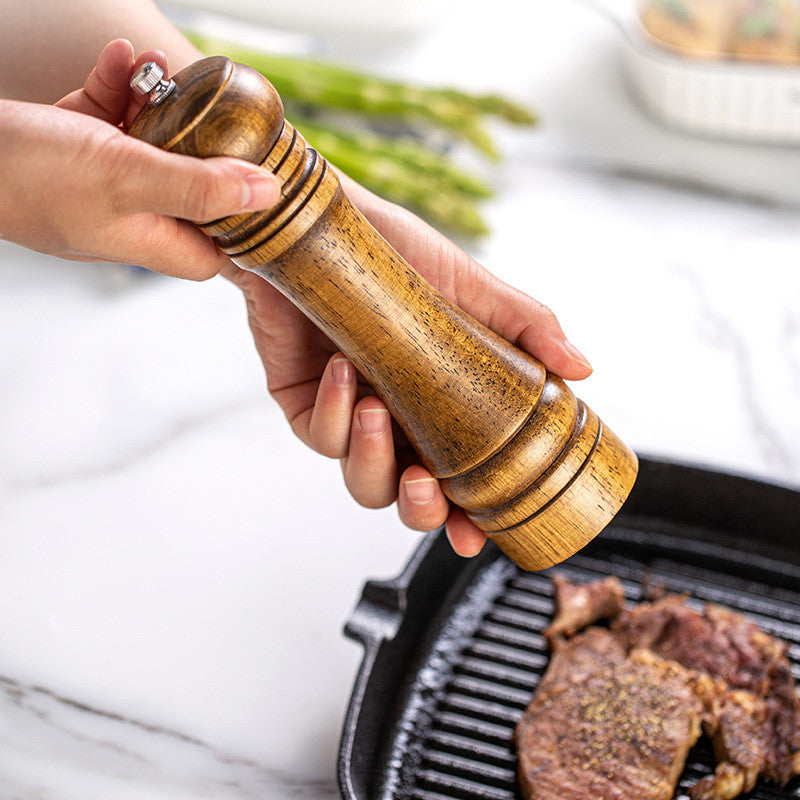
x: 106, y: 92
x: 144, y: 178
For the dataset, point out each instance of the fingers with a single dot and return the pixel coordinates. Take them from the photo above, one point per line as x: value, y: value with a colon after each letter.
x: 139, y: 177
x: 420, y: 502
x: 106, y: 92
x: 370, y: 468
x: 559, y: 355
x: 169, y: 246
x: 464, y: 537
x: 364, y: 433
x: 330, y: 424
x: 357, y: 433
x: 360, y: 435
x: 540, y: 334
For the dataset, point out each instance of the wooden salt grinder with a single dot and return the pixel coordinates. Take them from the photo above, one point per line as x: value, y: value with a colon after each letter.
x: 530, y: 464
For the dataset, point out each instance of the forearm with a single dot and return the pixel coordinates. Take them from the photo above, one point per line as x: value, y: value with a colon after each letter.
x: 47, y: 49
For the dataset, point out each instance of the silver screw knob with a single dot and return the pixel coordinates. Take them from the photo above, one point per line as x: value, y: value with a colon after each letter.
x: 147, y: 80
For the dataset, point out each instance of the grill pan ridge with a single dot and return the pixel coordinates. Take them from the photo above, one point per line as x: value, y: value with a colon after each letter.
x: 454, y: 648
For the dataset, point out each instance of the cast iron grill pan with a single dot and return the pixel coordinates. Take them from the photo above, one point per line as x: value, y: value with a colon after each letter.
x: 454, y: 648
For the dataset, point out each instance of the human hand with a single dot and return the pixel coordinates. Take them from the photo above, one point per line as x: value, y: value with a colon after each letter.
x: 328, y: 405
x: 72, y: 184
x: 336, y: 413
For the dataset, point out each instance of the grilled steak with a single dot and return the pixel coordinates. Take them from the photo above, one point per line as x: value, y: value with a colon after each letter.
x: 782, y: 727
x: 607, y: 726
x: 737, y: 747
x: 617, y: 711
x: 717, y: 641
x: 727, y: 646
x: 579, y: 605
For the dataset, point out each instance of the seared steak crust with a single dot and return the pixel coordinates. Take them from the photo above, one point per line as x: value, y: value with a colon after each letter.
x: 781, y: 730
x: 738, y: 749
x: 717, y: 641
x: 617, y: 711
x: 727, y: 646
x: 612, y: 728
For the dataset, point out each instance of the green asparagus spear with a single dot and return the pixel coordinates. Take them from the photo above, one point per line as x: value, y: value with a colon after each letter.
x: 495, y: 105
x: 329, y: 85
x: 433, y: 196
x: 398, y: 167
x: 405, y: 151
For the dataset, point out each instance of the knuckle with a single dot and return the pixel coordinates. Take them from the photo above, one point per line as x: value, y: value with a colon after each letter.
x: 332, y: 449
x: 204, y: 262
x: 201, y: 197
x: 545, y: 314
x: 205, y: 273
x: 328, y: 442
x: 114, y: 161
x: 370, y: 494
x: 199, y: 274
x: 425, y: 521
x: 375, y: 501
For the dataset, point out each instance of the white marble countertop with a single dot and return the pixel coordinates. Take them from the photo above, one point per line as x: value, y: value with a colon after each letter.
x: 175, y: 568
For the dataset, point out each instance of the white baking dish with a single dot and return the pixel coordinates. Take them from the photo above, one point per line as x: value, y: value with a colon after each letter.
x: 705, y: 94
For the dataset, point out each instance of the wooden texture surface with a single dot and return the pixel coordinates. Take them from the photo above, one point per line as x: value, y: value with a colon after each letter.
x: 531, y: 465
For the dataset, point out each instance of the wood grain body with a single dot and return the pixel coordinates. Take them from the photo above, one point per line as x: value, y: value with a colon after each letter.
x: 531, y: 464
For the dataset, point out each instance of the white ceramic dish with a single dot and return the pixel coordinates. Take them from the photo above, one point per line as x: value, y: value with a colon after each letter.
x: 728, y: 99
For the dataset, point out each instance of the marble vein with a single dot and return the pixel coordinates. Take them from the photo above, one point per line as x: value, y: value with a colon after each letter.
x: 726, y: 334
x: 180, y: 429
x: 110, y: 752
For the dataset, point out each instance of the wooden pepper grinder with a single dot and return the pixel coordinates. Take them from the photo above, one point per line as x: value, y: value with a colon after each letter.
x: 530, y: 464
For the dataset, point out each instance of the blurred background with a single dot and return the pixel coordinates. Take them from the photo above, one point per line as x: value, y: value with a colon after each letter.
x: 175, y: 560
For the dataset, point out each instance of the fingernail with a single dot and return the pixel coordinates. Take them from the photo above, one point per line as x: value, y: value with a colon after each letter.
x: 373, y: 421
x: 341, y: 371
x: 577, y: 354
x: 259, y: 191
x: 420, y: 491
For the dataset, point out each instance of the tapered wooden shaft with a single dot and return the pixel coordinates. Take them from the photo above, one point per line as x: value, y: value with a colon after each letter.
x: 532, y: 465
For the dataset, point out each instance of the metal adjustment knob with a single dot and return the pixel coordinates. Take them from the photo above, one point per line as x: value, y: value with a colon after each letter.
x: 148, y: 80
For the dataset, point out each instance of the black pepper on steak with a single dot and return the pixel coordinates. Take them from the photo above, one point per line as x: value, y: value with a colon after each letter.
x: 618, y: 710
